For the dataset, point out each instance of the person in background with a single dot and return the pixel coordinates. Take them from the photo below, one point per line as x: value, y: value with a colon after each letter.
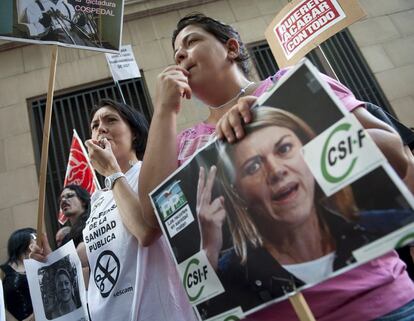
x: 61, y: 234
x: 13, y: 275
x: 212, y: 64
x: 75, y: 203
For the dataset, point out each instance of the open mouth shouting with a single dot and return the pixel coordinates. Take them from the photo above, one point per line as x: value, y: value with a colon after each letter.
x: 286, y: 193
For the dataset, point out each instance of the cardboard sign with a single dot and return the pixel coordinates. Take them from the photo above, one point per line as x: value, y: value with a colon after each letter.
x: 304, y: 24
x: 84, y: 24
x: 227, y: 198
x: 123, y: 65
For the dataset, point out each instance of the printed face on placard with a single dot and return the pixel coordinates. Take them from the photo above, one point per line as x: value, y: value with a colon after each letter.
x: 272, y: 176
x: 63, y: 288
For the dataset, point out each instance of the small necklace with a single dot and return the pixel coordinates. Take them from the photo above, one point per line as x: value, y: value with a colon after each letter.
x: 241, y: 92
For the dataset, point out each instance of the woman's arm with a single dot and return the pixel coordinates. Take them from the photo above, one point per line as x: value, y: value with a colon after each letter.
x: 160, y: 158
x: 211, y: 215
x: 81, y: 250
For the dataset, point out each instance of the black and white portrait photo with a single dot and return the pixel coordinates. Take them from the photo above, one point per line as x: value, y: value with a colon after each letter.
x: 57, y: 287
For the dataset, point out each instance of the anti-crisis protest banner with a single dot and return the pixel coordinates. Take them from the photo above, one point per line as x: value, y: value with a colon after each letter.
x: 303, y: 24
x: 300, y: 182
x: 87, y: 24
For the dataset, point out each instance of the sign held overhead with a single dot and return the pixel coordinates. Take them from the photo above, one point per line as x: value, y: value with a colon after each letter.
x: 303, y: 24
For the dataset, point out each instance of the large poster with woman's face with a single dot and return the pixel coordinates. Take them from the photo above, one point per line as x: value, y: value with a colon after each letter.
x: 304, y: 196
x: 85, y: 24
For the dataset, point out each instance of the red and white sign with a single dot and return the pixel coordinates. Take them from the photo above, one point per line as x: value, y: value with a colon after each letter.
x: 79, y: 170
x: 305, y: 22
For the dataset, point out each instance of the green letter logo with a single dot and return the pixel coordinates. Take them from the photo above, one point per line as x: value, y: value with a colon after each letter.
x: 195, y: 297
x: 330, y: 178
x: 404, y: 240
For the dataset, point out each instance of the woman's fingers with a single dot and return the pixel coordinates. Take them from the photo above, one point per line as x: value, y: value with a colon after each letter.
x: 173, y: 68
x: 172, y: 85
x: 224, y: 130
x: 208, y: 188
x: 217, y: 212
x: 40, y: 251
x: 200, y: 185
x: 230, y: 126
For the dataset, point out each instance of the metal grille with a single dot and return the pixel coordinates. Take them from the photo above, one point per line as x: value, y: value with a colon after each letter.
x: 71, y: 111
x: 346, y: 60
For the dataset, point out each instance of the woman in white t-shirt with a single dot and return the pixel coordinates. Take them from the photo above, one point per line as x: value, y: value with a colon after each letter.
x: 131, y: 274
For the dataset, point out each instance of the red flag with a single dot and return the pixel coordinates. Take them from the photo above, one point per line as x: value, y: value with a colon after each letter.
x: 79, y: 170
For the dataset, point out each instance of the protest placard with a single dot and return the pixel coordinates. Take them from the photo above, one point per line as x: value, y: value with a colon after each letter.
x: 57, y: 287
x: 304, y: 24
x: 86, y: 24
x: 123, y: 65
x: 301, y: 173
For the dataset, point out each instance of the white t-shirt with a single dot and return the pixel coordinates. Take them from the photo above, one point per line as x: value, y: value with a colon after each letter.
x: 313, y: 271
x: 129, y: 282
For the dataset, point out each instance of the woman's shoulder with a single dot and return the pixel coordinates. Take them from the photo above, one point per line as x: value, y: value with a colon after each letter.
x: 196, y: 130
x: 6, y: 269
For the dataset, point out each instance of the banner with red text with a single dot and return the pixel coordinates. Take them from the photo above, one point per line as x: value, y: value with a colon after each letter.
x: 79, y: 170
x: 303, y: 24
x: 84, y: 24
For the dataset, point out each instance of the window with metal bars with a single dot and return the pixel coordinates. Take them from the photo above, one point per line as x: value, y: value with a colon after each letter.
x: 346, y: 60
x: 71, y: 111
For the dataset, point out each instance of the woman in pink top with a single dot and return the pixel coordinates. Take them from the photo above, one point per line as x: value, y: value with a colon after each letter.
x: 211, y: 63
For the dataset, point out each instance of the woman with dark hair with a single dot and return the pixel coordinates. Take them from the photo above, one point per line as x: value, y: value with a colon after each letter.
x: 132, y: 275
x: 210, y: 64
x: 13, y: 275
x: 75, y: 203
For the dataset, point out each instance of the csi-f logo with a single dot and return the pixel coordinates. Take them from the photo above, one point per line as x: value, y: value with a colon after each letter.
x: 194, y: 276
x: 338, y: 152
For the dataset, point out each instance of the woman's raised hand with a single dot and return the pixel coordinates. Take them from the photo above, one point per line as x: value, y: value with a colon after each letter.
x: 172, y: 85
x: 41, y: 251
x: 211, y: 215
x: 230, y: 125
x: 102, y: 157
